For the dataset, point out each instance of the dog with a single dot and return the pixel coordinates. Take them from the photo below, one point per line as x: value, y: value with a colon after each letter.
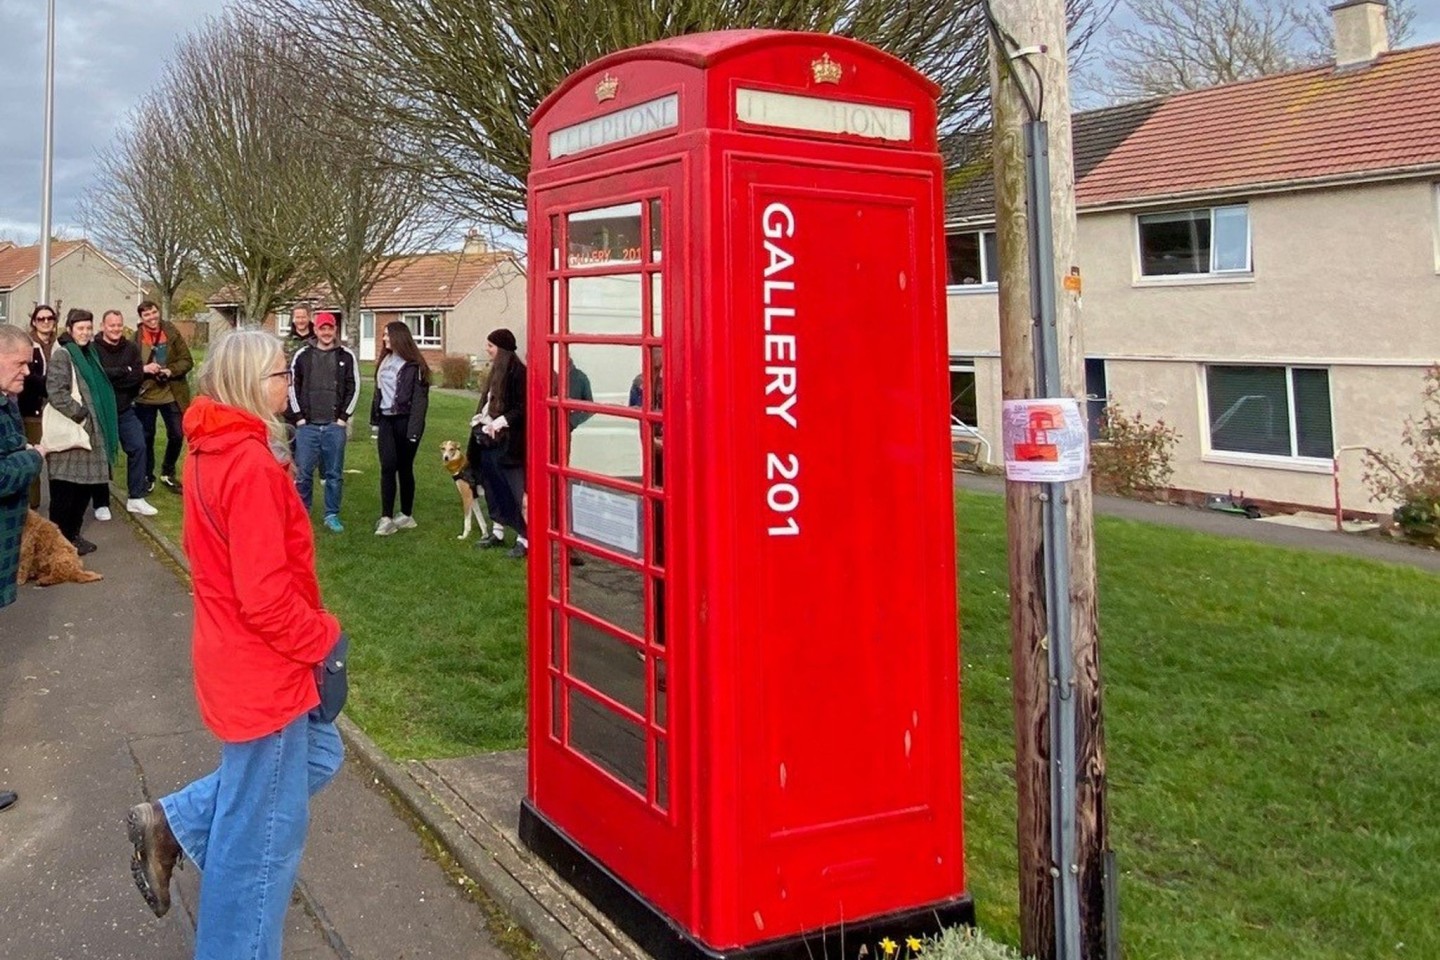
x: 467, y: 482
x: 47, y: 557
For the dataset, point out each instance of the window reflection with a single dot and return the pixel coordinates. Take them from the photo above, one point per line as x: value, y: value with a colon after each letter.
x: 609, y: 591
x: 607, y: 664
x: 606, y: 305
x: 609, y: 368
x: 608, y: 446
x: 615, y: 743
x: 608, y: 235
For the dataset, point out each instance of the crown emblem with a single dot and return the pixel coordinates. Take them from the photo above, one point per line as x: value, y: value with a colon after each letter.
x: 825, y: 69
x: 606, y: 88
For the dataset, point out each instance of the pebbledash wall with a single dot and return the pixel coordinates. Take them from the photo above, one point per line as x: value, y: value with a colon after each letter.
x: 1344, y: 279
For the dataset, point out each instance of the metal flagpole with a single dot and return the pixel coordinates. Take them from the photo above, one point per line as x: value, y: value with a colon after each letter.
x: 47, y: 161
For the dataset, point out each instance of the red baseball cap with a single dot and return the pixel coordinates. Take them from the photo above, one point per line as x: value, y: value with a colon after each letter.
x: 324, y: 319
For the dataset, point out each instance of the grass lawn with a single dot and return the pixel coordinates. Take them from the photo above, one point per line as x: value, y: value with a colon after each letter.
x: 1270, y: 714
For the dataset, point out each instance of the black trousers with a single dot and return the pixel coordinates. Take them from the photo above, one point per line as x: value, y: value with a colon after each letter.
x: 397, y: 465
x: 174, y: 436
x: 68, y: 503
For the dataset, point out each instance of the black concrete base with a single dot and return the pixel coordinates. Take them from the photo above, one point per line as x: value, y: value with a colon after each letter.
x: 658, y: 936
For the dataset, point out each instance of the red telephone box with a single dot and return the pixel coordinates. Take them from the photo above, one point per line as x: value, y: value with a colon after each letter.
x: 744, y: 722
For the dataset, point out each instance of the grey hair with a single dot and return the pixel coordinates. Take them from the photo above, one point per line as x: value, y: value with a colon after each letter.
x: 13, y: 339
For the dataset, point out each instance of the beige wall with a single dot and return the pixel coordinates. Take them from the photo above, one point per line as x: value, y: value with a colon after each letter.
x: 81, y: 279
x: 1344, y: 278
x: 498, y: 301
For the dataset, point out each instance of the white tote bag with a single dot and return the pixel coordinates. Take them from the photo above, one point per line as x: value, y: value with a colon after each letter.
x: 57, y: 431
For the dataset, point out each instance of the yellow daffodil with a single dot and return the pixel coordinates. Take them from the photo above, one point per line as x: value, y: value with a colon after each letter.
x: 913, y: 943
x: 889, y: 946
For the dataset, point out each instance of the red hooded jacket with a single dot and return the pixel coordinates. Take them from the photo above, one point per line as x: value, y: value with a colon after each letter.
x: 259, y: 624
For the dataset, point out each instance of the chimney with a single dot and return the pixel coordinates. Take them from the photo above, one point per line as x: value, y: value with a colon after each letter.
x: 474, y: 242
x: 1360, y: 31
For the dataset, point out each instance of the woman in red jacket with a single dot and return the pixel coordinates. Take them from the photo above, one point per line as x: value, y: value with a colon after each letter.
x: 259, y: 631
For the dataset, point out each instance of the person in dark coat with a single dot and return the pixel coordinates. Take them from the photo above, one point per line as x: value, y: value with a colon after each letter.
x: 120, y: 359
x: 502, y: 464
x: 19, y: 464
x: 398, y: 408
x: 43, y: 325
x: 76, y: 473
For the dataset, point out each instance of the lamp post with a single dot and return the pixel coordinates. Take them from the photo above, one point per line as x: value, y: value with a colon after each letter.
x: 47, y: 160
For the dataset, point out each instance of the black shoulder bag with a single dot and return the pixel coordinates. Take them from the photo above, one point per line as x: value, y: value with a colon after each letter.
x: 332, y: 680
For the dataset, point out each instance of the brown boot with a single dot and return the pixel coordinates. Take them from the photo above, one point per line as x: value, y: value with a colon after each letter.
x: 156, y: 854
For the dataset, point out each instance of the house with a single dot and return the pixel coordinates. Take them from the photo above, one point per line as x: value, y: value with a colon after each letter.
x: 1261, y: 265
x: 81, y: 275
x: 450, y: 300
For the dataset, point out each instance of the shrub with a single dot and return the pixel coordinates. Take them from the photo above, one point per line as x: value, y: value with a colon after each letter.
x: 1414, y: 483
x: 965, y: 943
x: 455, y: 371
x: 1132, y: 457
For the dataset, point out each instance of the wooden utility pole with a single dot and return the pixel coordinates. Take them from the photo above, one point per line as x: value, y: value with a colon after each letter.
x: 1033, y: 32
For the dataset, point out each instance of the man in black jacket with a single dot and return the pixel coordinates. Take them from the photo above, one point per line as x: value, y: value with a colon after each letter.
x: 324, y: 388
x: 120, y: 357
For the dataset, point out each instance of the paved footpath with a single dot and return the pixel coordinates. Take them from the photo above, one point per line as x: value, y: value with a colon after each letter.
x: 97, y: 713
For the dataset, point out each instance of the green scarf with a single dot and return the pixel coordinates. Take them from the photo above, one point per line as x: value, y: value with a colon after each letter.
x: 102, y: 396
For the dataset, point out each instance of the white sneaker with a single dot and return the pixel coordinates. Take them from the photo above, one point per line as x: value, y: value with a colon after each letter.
x: 102, y: 513
x: 140, y: 506
x: 403, y: 522
x: 385, y: 527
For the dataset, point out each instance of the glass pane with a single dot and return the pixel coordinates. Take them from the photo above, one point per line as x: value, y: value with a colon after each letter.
x: 606, y: 236
x: 606, y: 445
x: 609, y: 591
x: 962, y: 395
x: 554, y: 571
x: 553, y: 415
x: 1097, y: 394
x: 554, y: 243
x: 655, y: 231
x: 1249, y: 410
x: 615, y: 743
x: 657, y: 305
x: 605, y: 517
x: 609, y: 370
x: 1232, y: 238
x: 657, y: 622
x: 991, y: 247
x: 555, y: 306
x: 662, y: 687
x: 607, y: 664
x: 555, y: 634
x: 657, y: 373
x: 606, y: 305
x: 1175, y: 243
x: 555, y: 503
x: 1314, y: 434
x: 557, y: 724
x: 552, y: 379
x: 662, y: 775
x: 962, y: 259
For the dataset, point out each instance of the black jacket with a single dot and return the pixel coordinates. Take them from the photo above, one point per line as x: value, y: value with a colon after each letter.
x: 511, y: 397
x: 412, y: 400
x: 122, y: 365
x: 32, y: 395
x: 337, y: 405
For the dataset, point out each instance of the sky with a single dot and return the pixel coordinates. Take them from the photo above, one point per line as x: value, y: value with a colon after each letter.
x: 109, y: 53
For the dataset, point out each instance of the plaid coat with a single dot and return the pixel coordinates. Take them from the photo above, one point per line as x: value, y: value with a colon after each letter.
x: 18, y: 467
x: 77, y: 466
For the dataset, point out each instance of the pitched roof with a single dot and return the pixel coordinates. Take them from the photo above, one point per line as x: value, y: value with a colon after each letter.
x: 18, y: 264
x: 1305, y: 127
x: 1309, y: 125
x: 438, y: 280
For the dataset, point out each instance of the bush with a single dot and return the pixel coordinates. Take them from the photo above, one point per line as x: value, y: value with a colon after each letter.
x: 1414, y: 485
x: 1132, y: 457
x: 455, y: 372
x: 965, y: 943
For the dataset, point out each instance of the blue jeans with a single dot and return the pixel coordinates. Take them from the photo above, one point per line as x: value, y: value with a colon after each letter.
x: 132, y: 441
x: 174, y: 436
x: 244, y: 826
x: 322, y: 444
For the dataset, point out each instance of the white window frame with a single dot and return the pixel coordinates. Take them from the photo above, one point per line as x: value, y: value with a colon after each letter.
x: 283, y: 322
x: 1294, y: 461
x: 4, y: 306
x: 1211, y: 275
x: 990, y: 280
x: 415, y: 321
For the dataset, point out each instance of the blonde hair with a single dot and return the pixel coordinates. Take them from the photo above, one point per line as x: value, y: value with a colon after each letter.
x: 235, y: 373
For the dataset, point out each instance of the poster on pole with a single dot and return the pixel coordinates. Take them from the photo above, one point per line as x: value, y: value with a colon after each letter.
x: 1046, y: 440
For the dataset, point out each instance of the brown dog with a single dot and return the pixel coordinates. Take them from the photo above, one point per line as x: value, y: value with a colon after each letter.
x: 47, y: 557
x: 468, y: 486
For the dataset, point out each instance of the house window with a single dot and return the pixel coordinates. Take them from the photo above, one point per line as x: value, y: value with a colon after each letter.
x: 4, y: 306
x: 971, y: 259
x: 1097, y: 394
x: 428, y: 329
x: 1215, y: 240
x: 282, y: 323
x: 1272, y: 411
x: 962, y: 390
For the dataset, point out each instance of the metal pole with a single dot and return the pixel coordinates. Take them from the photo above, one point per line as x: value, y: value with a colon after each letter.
x: 47, y: 160
x: 1055, y: 510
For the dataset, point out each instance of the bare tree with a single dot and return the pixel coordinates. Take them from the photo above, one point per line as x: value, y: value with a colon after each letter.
x: 246, y: 161
x: 1164, y: 46
x: 138, y: 210
x: 457, y: 79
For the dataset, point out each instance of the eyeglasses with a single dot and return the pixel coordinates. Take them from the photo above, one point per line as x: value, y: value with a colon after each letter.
x: 49, y: 319
x: 280, y: 373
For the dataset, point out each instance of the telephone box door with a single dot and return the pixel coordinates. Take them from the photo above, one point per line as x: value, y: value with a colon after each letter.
x: 605, y: 734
